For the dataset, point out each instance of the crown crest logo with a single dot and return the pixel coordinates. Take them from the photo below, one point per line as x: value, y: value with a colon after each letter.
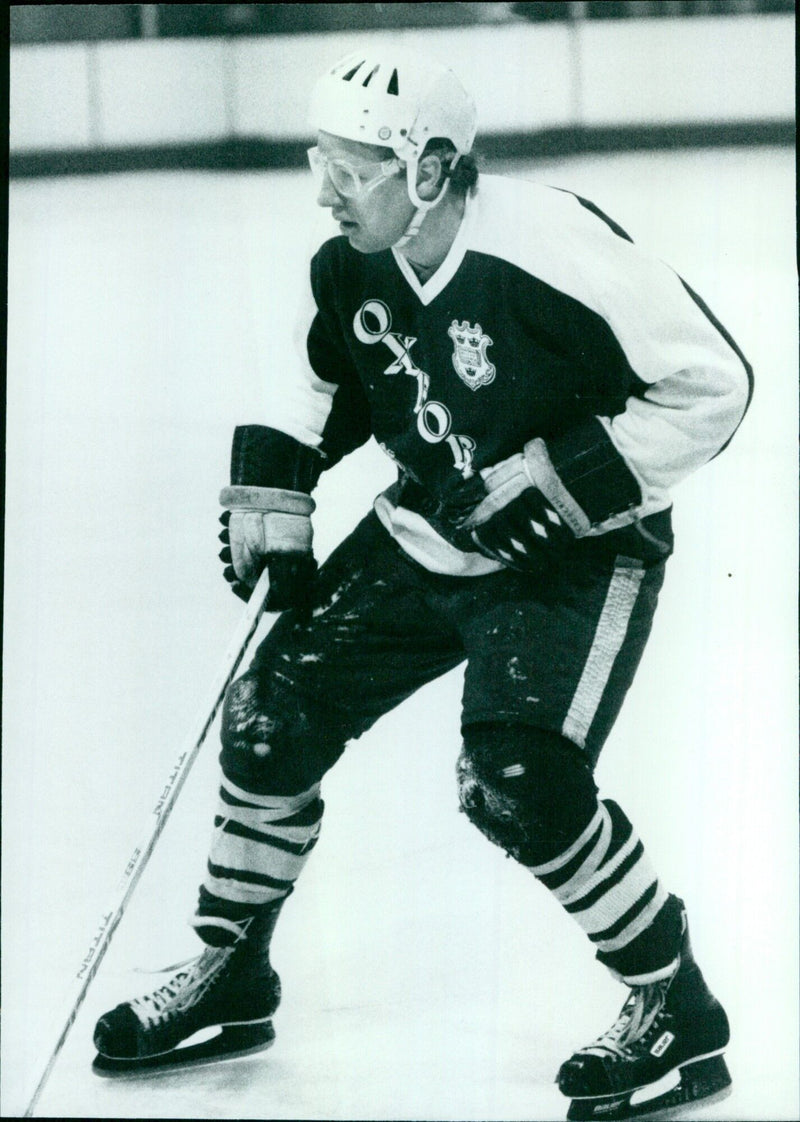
x: 469, y: 354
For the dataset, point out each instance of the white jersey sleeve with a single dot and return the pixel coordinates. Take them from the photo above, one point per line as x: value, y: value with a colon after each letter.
x: 696, y: 382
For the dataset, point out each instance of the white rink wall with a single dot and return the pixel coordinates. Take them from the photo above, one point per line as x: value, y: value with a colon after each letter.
x: 524, y: 76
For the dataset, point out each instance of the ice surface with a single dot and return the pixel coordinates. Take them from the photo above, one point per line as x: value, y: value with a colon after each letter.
x: 425, y: 976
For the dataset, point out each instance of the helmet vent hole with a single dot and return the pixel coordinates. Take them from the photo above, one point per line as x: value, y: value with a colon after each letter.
x: 352, y: 73
x: 371, y: 75
x: 392, y: 88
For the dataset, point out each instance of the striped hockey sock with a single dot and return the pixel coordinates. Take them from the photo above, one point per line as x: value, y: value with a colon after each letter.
x: 607, y: 883
x: 259, y: 848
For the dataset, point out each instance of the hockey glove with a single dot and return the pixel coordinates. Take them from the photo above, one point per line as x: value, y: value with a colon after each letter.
x: 530, y: 513
x: 270, y: 525
x: 514, y: 523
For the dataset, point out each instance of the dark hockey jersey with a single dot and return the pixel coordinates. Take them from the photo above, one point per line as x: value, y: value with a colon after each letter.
x: 544, y: 320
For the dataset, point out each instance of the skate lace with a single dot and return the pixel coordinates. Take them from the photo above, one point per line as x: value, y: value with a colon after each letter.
x: 183, y: 990
x: 638, y: 1018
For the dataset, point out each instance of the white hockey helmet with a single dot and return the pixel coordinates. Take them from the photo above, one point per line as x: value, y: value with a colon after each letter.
x: 394, y: 99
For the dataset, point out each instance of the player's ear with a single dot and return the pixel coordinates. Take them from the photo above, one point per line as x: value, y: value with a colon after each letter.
x: 429, y: 177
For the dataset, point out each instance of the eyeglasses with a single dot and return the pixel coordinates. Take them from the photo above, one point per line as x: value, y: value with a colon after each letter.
x: 346, y: 177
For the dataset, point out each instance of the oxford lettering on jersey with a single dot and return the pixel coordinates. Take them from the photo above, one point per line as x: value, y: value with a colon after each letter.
x: 372, y: 324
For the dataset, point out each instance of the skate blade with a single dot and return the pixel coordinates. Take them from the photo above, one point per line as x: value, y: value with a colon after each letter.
x: 703, y: 1082
x: 232, y: 1042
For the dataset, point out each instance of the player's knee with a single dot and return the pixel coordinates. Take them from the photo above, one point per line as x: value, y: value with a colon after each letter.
x: 528, y: 790
x: 273, y: 741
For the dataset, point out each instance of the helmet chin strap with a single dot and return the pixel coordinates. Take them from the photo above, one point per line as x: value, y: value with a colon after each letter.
x: 417, y: 218
x: 422, y: 207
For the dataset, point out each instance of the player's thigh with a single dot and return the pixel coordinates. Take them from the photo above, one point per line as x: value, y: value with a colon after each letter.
x: 563, y: 657
x: 372, y: 640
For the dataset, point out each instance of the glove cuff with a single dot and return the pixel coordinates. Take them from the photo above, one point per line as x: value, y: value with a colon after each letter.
x: 580, y: 474
x: 266, y: 499
x: 265, y: 457
x: 583, y: 476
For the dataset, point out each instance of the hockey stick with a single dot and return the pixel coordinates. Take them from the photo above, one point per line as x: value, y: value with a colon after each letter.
x: 234, y: 654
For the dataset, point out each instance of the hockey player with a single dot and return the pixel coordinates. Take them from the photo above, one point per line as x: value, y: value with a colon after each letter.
x: 541, y: 385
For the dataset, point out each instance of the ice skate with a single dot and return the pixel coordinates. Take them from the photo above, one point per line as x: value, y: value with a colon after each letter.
x: 232, y: 988
x: 664, y: 1050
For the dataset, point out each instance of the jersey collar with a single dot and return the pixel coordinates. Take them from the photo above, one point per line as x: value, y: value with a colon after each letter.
x: 428, y: 291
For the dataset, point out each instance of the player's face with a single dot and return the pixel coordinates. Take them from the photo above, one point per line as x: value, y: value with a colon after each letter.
x: 366, y: 192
